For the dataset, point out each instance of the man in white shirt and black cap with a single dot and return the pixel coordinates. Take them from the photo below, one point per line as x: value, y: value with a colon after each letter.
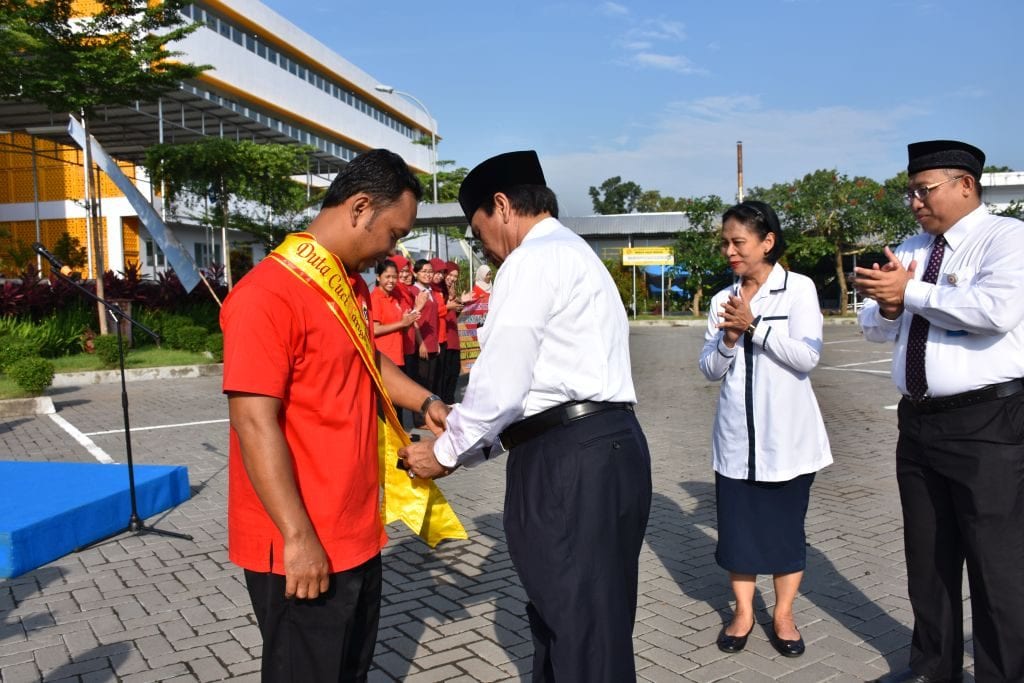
x: 952, y: 300
x: 553, y: 387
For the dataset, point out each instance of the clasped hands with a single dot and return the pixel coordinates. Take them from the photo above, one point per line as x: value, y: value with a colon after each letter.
x: 885, y: 283
x: 736, y: 317
x: 418, y: 456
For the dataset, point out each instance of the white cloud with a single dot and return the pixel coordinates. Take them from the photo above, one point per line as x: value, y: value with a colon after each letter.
x: 645, y: 42
x: 691, y: 149
x: 614, y: 9
x: 676, y: 63
x: 658, y: 30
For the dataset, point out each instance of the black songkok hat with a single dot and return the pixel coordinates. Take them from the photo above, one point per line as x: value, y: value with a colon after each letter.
x: 496, y: 175
x: 944, y: 154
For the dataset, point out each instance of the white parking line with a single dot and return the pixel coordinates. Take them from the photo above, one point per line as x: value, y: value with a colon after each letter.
x: 839, y: 369
x: 146, y: 429
x: 864, y: 362
x: 94, y: 450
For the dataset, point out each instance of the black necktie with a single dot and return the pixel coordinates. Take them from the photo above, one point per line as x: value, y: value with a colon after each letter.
x: 917, y: 382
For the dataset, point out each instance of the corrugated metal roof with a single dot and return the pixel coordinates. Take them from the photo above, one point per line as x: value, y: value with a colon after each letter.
x: 628, y: 224
x: 619, y: 224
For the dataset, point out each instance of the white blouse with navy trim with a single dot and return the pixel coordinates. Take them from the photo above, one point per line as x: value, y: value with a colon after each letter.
x: 768, y: 426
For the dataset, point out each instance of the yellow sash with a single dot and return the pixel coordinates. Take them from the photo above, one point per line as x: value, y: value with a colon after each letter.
x: 417, y: 502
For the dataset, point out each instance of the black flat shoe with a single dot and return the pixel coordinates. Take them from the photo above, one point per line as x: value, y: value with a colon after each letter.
x: 731, y: 644
x: 787, y: 648
x: 908, y: 676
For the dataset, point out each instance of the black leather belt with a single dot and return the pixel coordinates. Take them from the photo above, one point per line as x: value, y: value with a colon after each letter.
x: 968, y: 398
x: 535, y: 425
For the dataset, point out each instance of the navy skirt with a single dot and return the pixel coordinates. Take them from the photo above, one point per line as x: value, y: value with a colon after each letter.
x: 761, y: 524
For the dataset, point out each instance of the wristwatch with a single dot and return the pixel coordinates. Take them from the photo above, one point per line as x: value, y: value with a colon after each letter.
x: 427, y: 401
x: 752, y: 327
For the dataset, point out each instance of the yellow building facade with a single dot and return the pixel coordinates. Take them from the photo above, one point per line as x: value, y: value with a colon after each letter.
x: 269, y: 82
x: 34, y: 169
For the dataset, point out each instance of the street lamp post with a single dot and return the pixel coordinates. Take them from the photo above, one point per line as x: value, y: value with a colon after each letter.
x: 433, y: 128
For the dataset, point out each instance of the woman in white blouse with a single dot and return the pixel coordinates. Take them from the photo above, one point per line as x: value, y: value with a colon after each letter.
x: 763, y: 338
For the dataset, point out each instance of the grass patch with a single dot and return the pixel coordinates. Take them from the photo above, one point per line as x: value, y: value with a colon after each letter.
x: 146, y: 357
x: 8, y: 388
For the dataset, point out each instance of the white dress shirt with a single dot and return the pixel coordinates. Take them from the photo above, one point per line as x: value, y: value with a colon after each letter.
x: 774, y: 430
x: 556, y: 332
x: 976, y: 306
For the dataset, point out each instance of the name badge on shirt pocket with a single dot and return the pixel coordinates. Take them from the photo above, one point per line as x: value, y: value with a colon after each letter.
x: 961, y: 277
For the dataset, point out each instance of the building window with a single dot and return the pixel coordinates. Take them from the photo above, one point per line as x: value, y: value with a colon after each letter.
x: 203, y: 256
x: 154, y: 257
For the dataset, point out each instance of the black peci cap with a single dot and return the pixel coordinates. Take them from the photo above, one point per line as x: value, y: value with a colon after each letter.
x: 923, y: 156
x: 497, y: 174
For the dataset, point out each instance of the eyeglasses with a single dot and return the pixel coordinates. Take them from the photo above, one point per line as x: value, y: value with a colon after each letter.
x: 921, y: 193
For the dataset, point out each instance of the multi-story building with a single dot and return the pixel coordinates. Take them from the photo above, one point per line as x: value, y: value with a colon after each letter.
x: 269, y: 81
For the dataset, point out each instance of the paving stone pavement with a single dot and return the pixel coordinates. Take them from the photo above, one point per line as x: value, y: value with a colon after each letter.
x: 150, y: 608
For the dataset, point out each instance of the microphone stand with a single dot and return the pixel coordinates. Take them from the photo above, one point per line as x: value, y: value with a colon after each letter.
x: 135, y: 523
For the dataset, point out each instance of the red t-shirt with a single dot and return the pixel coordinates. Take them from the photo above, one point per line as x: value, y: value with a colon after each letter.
x: 480, y: 294
x: 386, y: 311
x: 281, y: 340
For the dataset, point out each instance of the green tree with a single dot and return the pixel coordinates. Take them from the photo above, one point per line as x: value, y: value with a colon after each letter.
x: 70, y: 63
x: 70, y: 251
x: 997, y: 169
x: 227, y: 171
x: 448, y: 181
x: 1014, y: 209
x: 615, y: 196
x: 73, y: 63
x: 698, y: 248
x: 827, y: 214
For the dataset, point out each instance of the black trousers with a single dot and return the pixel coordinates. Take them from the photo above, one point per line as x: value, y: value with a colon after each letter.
x: 437, y: 379
x: 576, y: 507
x: 451, y: 366
x: 961, y: 480
x: 324, y: 640
x: 426, y: 370
x: 426, y: 374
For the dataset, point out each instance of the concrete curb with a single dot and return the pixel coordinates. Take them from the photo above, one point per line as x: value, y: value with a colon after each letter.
x: 701, y: 322
x: 26, y: 407
x: 77, y: 379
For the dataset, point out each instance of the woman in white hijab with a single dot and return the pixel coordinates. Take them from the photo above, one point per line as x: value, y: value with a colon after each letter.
x: 482, y: 285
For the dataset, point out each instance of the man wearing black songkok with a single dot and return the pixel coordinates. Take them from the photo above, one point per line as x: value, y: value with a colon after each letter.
x: 552, y: 385
x: 952, y: 301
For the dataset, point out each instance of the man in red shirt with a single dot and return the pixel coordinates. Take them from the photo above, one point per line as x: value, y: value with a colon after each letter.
x: 303, y: 509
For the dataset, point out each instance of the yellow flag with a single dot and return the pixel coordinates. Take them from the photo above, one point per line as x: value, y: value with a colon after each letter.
x: 417, y: 502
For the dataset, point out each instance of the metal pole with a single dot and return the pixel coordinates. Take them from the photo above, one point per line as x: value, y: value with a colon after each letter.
x: 634, y: 280
x: 35, y: 204
x: 663, y: 291
x: 854, y: 289
x: 91, y: 226
x: 739, y: 169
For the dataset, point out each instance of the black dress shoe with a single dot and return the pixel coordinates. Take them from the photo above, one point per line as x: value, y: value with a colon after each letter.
x: 787, y: 648
x: 731, y: 644
x: 909, y: 676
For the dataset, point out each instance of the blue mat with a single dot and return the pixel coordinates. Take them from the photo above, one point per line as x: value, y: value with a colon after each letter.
x: 47, y: 509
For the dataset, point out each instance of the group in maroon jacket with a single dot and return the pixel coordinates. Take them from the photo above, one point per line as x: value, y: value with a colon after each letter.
x: 415, y: 320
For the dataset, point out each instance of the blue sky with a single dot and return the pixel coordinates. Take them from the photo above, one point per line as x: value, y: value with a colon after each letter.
x: 659, y: 92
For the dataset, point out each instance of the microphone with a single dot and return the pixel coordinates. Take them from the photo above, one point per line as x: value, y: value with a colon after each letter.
x: 55, y: 262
